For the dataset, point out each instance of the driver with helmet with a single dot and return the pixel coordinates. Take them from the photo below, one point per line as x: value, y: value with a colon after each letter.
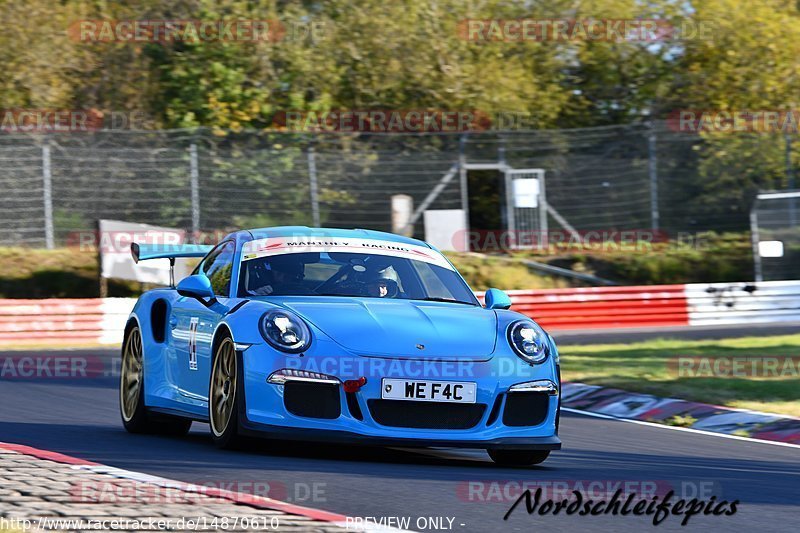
x: 383, y: 284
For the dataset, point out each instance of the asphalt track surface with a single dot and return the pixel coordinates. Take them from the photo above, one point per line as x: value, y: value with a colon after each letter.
x: 80, y: 417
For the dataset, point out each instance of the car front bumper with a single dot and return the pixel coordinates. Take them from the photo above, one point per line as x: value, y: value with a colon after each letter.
x: 264, y: 410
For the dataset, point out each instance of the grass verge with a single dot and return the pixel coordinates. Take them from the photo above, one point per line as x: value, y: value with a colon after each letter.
x: 703, y: 371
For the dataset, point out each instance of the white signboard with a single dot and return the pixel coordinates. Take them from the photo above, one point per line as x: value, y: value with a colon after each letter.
x: 446, y: 229
x: 526, y: 192
x: 114, y: 243
x: 770, y: 249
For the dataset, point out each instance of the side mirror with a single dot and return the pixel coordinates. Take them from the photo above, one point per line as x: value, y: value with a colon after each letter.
x: 497, y: 299
x: 197, y: 286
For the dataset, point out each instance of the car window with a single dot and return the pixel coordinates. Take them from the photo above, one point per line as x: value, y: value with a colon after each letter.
x: 218, y: 267
x: 350, y: 274
x: 435, y: 286
x: 321, y: 271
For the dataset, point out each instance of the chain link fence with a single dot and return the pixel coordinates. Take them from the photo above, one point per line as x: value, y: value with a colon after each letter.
x: 636, y: 176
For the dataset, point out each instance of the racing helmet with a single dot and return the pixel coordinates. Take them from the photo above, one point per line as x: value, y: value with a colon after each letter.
x: 384, y: 283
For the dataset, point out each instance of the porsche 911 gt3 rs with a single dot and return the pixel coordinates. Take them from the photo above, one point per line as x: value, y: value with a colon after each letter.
x: 333, y: 335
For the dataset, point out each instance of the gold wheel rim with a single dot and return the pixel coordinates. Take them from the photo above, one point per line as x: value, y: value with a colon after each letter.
x: 223, y: 388
x: 131, y: 376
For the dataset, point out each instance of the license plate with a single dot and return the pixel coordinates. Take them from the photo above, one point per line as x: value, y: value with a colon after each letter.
x: 428, y: 391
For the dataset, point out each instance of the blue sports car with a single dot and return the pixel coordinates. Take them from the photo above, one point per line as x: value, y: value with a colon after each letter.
x: 332, y: 335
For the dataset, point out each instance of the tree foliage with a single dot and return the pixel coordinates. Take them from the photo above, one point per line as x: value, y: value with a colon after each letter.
x: 399, y: 55
x: 410, y: 54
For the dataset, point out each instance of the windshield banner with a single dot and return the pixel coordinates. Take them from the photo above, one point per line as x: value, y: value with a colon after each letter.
x: 292, y: 245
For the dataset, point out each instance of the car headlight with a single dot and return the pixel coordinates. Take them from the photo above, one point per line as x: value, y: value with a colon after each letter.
x: 285, y: 331
x: 529, y: 341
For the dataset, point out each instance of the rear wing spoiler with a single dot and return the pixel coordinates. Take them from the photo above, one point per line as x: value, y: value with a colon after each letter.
x: 143, y: 252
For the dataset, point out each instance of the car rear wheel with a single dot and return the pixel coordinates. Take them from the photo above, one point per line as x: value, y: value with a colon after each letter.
x: 223, y: 396
x: 518, y: 457
x: 135, y: 416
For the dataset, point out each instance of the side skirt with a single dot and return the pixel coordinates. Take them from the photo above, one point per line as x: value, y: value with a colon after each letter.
x: 175, y: 412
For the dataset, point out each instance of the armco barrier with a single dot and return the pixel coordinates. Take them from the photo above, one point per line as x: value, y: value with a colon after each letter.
x: 604, y: 307
x: 63, y: 321
x: 739, y: 303
x: 100, y: 321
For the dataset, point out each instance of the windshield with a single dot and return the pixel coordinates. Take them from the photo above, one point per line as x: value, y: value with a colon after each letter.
x: 310, y: 270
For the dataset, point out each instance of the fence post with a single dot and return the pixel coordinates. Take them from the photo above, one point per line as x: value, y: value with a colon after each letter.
x: 652, y: 167
x: 544, y: 229
x: 462, y: 174
x: 754, y: 240
x: 47, y: 185
x: 402, y: 212
x: 313, y: 185
x: 194, y: 182
x: 790, y: 180
x: 102, y: 281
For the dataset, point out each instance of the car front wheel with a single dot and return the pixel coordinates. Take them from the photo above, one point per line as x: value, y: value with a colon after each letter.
x: 518, y: 457
x: 224, y: 396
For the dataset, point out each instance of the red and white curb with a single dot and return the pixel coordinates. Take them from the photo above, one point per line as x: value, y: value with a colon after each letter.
x: 728, y: 422
x: 259, y: 502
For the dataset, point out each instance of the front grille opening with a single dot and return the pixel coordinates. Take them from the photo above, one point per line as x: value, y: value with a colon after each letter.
x: 495, y: 410
x: 352, y: 405
x: 526, y: 408
x: 426, y: 415
x: 312, y: 400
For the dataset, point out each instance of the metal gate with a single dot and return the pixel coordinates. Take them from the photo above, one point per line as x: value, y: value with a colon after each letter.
x: 526, y: 207
x: 775, y: 231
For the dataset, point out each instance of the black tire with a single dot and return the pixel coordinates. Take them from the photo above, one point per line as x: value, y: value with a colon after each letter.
x: 225, y: 392
x: 518, y: 457
x: 135, y: 416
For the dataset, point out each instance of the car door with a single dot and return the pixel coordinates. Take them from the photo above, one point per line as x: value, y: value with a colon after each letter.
x: 194, y: 324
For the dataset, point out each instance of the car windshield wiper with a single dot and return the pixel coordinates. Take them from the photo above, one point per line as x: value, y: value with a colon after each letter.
x: 446, y: 300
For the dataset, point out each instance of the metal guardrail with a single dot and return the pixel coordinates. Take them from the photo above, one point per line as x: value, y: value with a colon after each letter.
x: 604, y: 307
x: 741, y: 303
x: 63, y: 320
x: 699, y: 304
